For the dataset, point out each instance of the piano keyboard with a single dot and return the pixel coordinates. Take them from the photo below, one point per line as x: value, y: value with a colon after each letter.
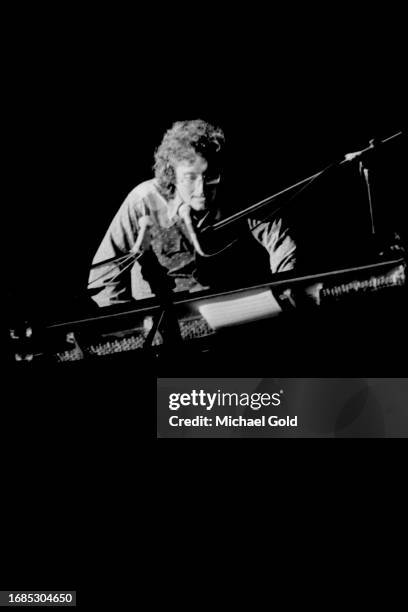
x: 196, y: 327
x: 336, y: 292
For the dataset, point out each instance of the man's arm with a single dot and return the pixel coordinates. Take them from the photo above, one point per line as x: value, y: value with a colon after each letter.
x: 275, y: 236
x: 114, y: 280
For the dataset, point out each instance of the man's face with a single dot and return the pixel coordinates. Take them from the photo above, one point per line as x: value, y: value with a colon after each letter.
x: 196, y: 182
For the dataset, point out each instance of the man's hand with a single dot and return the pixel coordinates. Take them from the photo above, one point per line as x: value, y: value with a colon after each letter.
x: 144, y: 222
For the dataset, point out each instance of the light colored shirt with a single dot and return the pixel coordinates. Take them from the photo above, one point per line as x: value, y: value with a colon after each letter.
x: 168, y: 245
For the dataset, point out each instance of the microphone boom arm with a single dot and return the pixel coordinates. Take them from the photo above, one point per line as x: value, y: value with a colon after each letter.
x: 251, y: 209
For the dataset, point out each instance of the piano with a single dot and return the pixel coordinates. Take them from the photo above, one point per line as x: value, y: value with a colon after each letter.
x: 225, y: 323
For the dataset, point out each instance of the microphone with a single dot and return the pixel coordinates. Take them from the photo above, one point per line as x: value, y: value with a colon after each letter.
x: 355, y: 154
x: 373, y: 143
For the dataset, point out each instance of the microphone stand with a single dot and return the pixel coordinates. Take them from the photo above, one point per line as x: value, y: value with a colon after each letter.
x: 167, y: 323
x: 304, y: 183
x: 166, y: 320
x: 363, y: 157
x: 366, y: 174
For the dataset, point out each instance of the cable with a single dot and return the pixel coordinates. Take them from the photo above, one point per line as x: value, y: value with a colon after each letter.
x: 123, y: 259
x: 128, y: 265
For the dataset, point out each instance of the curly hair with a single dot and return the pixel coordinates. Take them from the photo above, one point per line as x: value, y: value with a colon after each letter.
x: 182, y: 142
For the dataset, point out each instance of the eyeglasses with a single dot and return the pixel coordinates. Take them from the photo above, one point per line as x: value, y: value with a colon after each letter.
x: 209, y: 181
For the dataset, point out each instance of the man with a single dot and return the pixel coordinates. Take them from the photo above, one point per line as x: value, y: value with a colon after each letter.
x: 155, y: 239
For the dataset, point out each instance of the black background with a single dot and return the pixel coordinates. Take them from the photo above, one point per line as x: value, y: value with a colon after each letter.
x: 90, y: 100
x: 87, y: 100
